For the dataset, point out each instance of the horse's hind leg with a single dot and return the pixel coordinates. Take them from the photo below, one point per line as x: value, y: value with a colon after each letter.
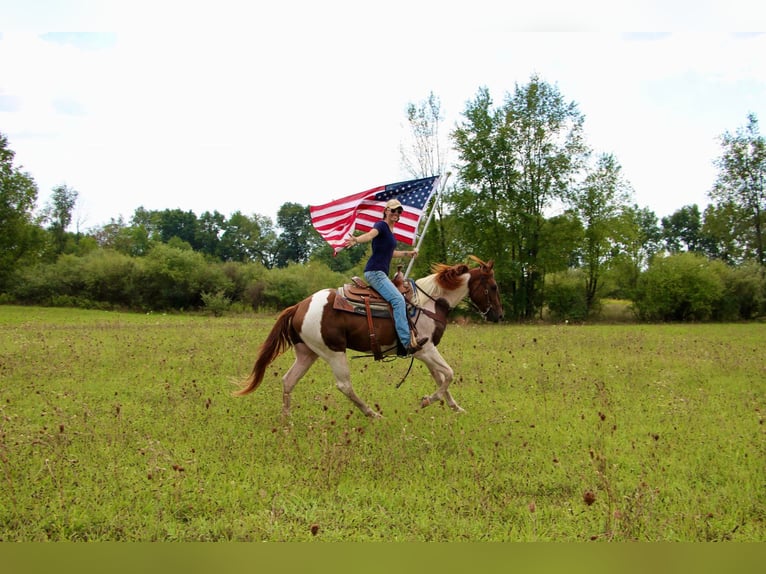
x: 339, y: 366
x: 304, y: 358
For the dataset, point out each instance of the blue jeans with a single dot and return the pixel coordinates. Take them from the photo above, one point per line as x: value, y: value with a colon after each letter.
x: 380, y: 281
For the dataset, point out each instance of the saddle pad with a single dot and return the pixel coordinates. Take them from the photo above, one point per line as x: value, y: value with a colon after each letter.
x: 350, y: 297
x: 378, y: 307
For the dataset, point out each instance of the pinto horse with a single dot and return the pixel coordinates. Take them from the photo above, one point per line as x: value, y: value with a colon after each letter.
x: 315, y: 328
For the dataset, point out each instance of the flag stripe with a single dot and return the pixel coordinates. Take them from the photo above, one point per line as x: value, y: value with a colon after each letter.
x: 338, y: 219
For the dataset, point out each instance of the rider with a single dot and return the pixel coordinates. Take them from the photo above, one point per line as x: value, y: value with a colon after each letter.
x: 378, y: 267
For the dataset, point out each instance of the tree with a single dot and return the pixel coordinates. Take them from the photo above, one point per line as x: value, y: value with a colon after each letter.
x: 210, y: 226
x: 599, y: 203
x: 725, y: 233
x: 476, y: 201
x: 426, y: 157
x: 742, y: 170
x: 20, y: 234
x: 59, y: 214
x: 516, y: 161
x: 637, y: 239
x: 248, y: 239
x: 147, y: 219
x: 129, y: 240
x: 682, y: 231
x: 177, y: 223
x: 561, y: 240
x: 296, y: 242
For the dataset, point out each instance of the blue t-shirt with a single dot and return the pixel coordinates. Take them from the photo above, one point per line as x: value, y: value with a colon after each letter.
x: 383, y: 246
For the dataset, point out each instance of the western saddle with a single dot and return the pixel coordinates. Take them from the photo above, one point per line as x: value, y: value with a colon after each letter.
x: 361, y: 299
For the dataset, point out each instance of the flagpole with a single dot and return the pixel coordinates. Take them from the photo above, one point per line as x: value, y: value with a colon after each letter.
x: 425, y: 226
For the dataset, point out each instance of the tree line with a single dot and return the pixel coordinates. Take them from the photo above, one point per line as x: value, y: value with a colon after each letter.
x: 557, y: 217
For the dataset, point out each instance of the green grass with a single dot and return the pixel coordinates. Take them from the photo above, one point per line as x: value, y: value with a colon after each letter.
x: 123, y: 427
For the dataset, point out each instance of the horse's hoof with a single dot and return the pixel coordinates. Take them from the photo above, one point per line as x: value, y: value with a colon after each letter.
x: 424, y: 402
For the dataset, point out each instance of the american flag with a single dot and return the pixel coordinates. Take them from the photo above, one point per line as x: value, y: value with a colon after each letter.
x: 336, y: 220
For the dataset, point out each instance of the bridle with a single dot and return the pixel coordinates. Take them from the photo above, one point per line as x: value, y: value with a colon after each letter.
x: 489, y: 302
x: 473, y: 304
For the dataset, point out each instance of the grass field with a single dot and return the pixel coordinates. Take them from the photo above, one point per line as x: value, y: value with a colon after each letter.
x: 122, y: 427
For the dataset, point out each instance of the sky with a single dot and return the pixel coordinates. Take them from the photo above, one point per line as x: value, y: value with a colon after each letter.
x: 244, y: 106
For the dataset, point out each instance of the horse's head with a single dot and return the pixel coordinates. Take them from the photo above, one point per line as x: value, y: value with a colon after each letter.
x: 483, y: 291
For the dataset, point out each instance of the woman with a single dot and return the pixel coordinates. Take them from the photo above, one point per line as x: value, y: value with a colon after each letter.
x: 378, y: 267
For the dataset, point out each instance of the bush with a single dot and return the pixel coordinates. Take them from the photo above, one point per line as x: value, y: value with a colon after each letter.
x: 216, y: 303
x: 289, y: 285
x: 565, y: 296
x: 174, y: 278
x: 240, y: 277
x: 683, y: 287
x: 110, y: 277
x: 744, y: 291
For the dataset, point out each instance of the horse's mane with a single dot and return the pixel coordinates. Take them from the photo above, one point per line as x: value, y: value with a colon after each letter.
x: 443, y: 278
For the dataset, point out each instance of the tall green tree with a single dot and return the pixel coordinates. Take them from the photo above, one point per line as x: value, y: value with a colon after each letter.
x: 638, y: 238
x: 249, y: 239
x: 682, y: 230
x: 296, y: 242
x: 726, y: 233
x: 561, y: 242
x: 599, y: 203
x: 210, y: 227
x: 476, y: 199
x: 132, y: 240
x: 177, y: 223
x: 59, y: 214
x: 741, y: 179
x: 20, y: 233
x: 516, y: 161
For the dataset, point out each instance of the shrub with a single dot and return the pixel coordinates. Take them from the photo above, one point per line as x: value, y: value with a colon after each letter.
x: 216, y: 303
x: 565, y: 296
x: 289, y: 285
x: 110, y: 277
x: 173, y: 278
x: 683, y: 287
x: 744, y: 291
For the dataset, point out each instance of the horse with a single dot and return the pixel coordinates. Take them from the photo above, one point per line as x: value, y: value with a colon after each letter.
x: 315, y: 328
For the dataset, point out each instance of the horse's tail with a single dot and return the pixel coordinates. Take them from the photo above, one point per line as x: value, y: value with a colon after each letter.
x: 275, y: 344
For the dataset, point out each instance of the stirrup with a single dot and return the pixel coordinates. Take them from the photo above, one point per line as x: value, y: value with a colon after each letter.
x: 412, y: 348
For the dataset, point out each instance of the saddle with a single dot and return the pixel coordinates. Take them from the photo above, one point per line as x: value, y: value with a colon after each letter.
x: 361, y: 299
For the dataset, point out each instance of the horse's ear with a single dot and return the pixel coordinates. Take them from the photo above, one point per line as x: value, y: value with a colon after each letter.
x: 486, y: 267
x: 482, y: 264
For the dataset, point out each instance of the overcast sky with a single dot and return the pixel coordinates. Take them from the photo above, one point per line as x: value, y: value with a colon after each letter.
x: 223, y: 106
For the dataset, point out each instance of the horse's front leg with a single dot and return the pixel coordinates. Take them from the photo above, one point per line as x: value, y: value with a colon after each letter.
x: 442, y: 374
x: 442, y: 395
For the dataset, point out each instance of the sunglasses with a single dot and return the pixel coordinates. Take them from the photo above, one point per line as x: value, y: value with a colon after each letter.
x: 397, y: 210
